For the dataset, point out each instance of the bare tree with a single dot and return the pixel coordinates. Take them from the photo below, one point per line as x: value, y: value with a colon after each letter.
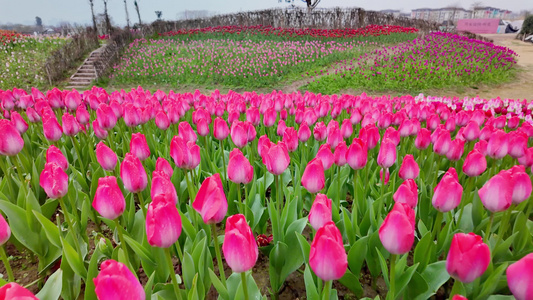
x: 91, y: 2
x: 138, y: 13
x: 107, y: 21
x: 127, y: 15
x: 477, y: 5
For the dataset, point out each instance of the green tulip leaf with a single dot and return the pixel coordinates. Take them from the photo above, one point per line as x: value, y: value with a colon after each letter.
x: 52, y: 288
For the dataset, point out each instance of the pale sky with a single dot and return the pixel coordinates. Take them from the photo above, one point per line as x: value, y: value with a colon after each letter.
x: 78, y: 11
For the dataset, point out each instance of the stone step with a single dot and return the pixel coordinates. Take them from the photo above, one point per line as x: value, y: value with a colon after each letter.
x: 87, y: 75
x: 85, y: 71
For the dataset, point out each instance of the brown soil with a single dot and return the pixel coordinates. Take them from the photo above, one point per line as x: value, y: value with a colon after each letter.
x: 25, y: 271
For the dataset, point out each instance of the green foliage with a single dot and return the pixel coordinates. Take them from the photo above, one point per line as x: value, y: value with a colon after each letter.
x: 527, y: 27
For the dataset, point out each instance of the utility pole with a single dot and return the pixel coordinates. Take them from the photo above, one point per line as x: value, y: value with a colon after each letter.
x: 127, y: 15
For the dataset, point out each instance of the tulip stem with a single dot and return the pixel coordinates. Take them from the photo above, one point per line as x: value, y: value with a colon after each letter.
x: 80, y: 161
x: 489, y: 228
x: 6, y: 176
x: 241, y: 204
x: 246, y: 201
x: 244, y: 286
x: 6, y: 264
x: 219, y: 257
x: 19, y: 170
x: 455, y: 289
x: 327, y: 289
x: 469, y: 182
x: 173, y: 274
x: 392, y: 277
x: 504, y: 222
x: 529, y: 207
x: 141, y: 203
x: 206, y: 146
x: 123, y: 242
x: 437, y: 225
x: 354, y: 200
x: 70, y: 226
x: 223, y: 163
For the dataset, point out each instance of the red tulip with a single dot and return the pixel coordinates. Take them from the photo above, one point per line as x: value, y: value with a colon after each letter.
x: 161, y: 184
x: 340, y: 154
x: 276, y: 158
x: 475, y: 164
x: 304, y: 133
x: 164, y: 166
x: 139, y: 146
x: 239, y: 168
x: 161, y: 120
x: 290, y: 137
x: 239, y: 248
x: 116, y: 282
x: 448, y: 192
x: 163, y: 222
x: 313, y: 177
x: 423, y: 139
x: 211, y: 201
x: 13, y: 291
x: 320, y: 131
x: 498, y: 145
x: 468, y: 257
x: 53, y: 154
x: 19, y: 122
x: 407, y: 193
x: 326, y: 156
x: 320, y: 213
x: 409, y: 168
x: 133, y: 174
x: 397, y: 233
x: 497, y: 193
x: 220, y: 129
x: 106, y: 157
x: 108, y: 200
x: 519, y: 277
x: 387, y: 154
x: 327, y: 256
x: 54, y: 180
x: 5, y: 231
x: 521, y: 184
x: 357, y: 154
x: 11, y: 143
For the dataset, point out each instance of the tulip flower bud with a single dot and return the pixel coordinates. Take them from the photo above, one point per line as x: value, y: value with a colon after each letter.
x: 519, y: 275
x: 340, y: 154
x: 105, y: 117
x: 334, y: 138
x: 139, y: 146
x: 161, y: 184
x: 220, y: 129
x: 211, y: 201
x: 346, y: 129
x: 53, y: 154
x: 407, y: 193
x: 239, y: 248
x: 71, y: 127
x: 290, y: 138
x: 423, y: 139
x: 108, y: 199
x: 397, y: 233
x: 498, y: 145
x: 409, y: 168
x: 164, y: 166
x: 269, y: 117
x: 448, y: 192
x: 14, y: 291
x: 320, y: 213
x: 280, y: 130
x: 116, y: 282
x: 456, y: 150
x: 521, y: 184
x: 33, y: 116
x: 98, y: 131
x: 393, y: 135
x: 387, y: 154
x: 239, y: 168
x: 475, y: 164
x: 304, y: 133
x: 497, y: 193
x: 133, y: 174
x: 325, y: 155
x: 276, y: 158
x: 442, y: 142
x: 370, y: 135
x: 163, y: 222
x: 327, y: 257
x: 202, y: 127
x: 106, y: 157
x: 459, y: 297
x: 82, y: 115
x: 54, y: 180
x: 161, y: 120
x: 357, y: 154
x: 313, y: 178
x: 186, y: 132
x: 51, y: 128
x: 468, y: 257
x: 517, y: 144
x: 19, y: 122
x: 239, y: 134
x: 5, y: 231
x: 320, y: 131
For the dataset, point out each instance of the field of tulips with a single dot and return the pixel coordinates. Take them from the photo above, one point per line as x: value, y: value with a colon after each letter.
x: 140, y: 195
x: 438, y: 60
x: 250, y: 57
x: 22, y: 59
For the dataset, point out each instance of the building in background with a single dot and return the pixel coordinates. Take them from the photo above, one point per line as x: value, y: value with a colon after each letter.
x: 451, y: 14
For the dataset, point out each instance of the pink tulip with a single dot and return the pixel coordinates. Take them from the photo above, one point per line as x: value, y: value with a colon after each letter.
x: 448, y: 192
x: 133, y: 174
x: 13, y: 291
x: 263, y: 143
x: 54, y: 180
x: 407, y: 193
x: 202, y: 127
x: 387, y: 154
x: 519, y: 277
x: 459, y: 297
x: 185, y: 155
x: 132, y: 117
x: 106, y: 157
x: 517, y: 144
x: 370, y: 135
x: 423, y: 139
x: 51, y: 128
x: 498, y: 145
x: 108, y: 199
x: 239, y: 248
x: 320, y: 213
x: 71, y: 127
x: 164, y: 166
x: 211, y: 201
x: 456, y: 150
x: 357, y: 154
x: 11, y: 143
x: 442, y: 142
x: 239, y: 168
x: 304, y: 133
x: 497, y: 193
x: 327, y: 256
x: 220, y: 129
x: 116, y: 282
x: 340, y: 154
x: 320, y: 131
x: 276, y: 158
x: 253, y: 116
x: 468, y: 257
x: 334, y: 138
x: 19, y: 122
x: 326, y: 156
x: 393, y: 135
x: 72, y: 100
x: 5, y: 231
x: 53, y: 154
x: 313, y: 178
x: 105, y: 117
x: 161, y: 184
x: 269, y: 117
x: 290, y: 138
x: 280, y: 130
x: 471, y: 131
x: 475, y: 164
x: 397, y: 233
x: 161, y: 120
x: 346, y: 129
x: 163, y: 222
x: 82, y: 115
x: 33, y: 116
x: 186, y: 132
x: 481, y: 146
x: 409, y: 168
x: 239, y: 134
x: 527, y: 159
x: 521, y: 184
x: 98, y: 131
x: 139, y: 146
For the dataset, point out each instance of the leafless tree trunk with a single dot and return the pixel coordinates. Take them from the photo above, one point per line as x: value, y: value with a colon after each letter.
x: 127, y: 15
x: 107, y: 21
x: 94, y: 17
x: 138, y: 13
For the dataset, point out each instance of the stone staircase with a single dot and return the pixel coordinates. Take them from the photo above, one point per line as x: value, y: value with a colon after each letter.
x: 86, y: 73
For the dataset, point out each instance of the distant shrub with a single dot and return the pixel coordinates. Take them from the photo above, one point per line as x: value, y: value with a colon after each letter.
x: 527, y: 27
